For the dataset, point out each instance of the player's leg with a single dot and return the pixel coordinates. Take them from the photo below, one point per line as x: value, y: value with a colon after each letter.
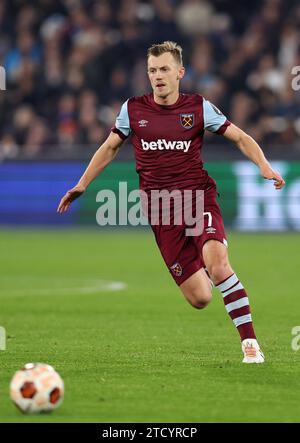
x: 185, y: 264
x: 235, y: 298
x: 197, y: 289
x: 216, y: 260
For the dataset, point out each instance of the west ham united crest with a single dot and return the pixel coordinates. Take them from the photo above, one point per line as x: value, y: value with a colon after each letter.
x: 187, y: 120
x: 176, y: 269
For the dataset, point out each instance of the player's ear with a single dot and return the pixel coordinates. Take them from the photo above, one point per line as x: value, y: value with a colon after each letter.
x: 181, y: 73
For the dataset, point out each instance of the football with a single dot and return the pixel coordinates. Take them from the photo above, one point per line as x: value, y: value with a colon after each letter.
x: 37, y: 387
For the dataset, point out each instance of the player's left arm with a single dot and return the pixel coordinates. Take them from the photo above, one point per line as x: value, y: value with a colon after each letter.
x: 252, y: 150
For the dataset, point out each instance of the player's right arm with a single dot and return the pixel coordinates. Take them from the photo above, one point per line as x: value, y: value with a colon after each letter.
x: 102, y: 157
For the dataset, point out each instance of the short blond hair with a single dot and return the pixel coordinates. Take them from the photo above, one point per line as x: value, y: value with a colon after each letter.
x: 167, y: 46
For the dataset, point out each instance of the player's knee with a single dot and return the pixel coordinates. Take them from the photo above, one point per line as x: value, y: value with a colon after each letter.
x: 200, y: 300
x: 199, y: 304
x: 219, y: 271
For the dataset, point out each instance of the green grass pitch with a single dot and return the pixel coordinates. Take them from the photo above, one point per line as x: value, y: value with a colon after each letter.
x: 142, y: 354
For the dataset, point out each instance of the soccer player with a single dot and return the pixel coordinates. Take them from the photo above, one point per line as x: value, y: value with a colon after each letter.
x: 154, y: 121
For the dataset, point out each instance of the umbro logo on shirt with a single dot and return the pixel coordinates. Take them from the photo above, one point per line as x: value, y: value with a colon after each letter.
x: 161, y: 144
x: 210, y: 230
x: 143, y: 123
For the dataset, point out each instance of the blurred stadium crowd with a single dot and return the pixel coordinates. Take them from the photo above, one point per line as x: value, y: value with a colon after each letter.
x: 71, y: 63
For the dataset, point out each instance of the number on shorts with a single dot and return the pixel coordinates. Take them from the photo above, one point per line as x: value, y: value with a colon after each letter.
x: 209, y: 218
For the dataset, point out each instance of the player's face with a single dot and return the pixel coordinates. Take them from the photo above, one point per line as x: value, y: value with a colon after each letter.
x: 164, y: 73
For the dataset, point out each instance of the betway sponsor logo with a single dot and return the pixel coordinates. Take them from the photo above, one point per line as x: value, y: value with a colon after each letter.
x: 162, y: 144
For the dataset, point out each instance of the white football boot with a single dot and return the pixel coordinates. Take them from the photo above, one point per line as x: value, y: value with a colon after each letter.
x: 252, y: 352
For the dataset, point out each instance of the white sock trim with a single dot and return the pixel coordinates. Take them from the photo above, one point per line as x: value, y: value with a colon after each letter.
x: 228, y: 283
x: 235, y: 288
x: 243, y: 319
x: 237, y: 304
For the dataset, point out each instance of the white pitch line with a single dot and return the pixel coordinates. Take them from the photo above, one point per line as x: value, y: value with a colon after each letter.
x: 60, y: 288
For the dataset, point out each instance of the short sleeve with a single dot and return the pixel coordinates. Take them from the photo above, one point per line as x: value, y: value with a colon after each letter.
x: 214, y: 120
x: 122, y: 125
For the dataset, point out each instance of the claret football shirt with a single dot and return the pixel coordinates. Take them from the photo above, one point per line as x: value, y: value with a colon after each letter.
x: 168, y: 139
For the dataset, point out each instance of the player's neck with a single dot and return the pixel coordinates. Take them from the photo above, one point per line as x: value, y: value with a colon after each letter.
x: 167, y: 101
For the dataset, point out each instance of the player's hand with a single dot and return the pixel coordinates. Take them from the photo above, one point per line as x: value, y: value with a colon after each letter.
x: 268, y: 173
x: 70, y: 196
